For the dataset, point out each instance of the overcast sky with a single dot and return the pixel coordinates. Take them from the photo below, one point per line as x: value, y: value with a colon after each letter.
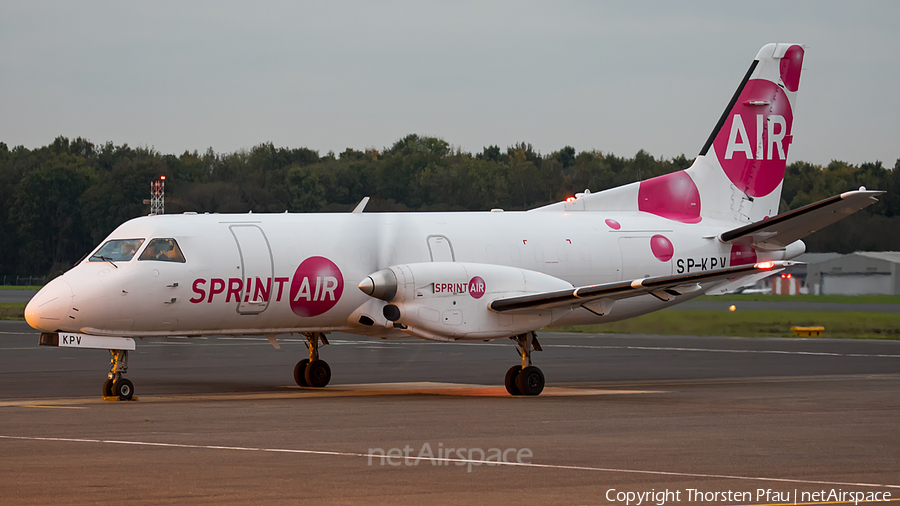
x: 621, y: 77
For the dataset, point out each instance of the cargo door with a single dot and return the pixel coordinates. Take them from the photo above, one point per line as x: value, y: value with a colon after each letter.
x: 642, y: 258
x: 256, y: 268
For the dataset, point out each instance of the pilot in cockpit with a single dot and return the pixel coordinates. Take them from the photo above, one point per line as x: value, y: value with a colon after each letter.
x: 165, y: 250
x: 127, y: 249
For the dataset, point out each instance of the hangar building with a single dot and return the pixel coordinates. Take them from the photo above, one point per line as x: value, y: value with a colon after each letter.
x: 793, y: 280
x: 863, y: 272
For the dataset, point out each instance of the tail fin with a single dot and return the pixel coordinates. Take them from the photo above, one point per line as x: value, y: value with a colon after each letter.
x: 740, y: 170
x: 739, y: 173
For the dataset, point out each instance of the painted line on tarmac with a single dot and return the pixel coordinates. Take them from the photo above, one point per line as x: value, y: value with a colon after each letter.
x: 708, y: 350
x: 670, y: 348
x: 386, y: 343
x: 447, y: 461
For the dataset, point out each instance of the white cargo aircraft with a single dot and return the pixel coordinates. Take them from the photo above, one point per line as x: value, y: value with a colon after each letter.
x: 594, y: 258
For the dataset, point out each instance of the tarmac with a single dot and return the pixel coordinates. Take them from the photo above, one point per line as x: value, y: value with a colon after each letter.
x: 16, y: 295
x: 219, y: 421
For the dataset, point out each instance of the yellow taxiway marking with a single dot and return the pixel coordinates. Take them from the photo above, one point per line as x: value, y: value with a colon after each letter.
x: 52, y: 407
x: 363, y: 390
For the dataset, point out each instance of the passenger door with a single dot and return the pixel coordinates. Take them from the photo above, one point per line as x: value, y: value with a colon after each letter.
x: 256, y: 268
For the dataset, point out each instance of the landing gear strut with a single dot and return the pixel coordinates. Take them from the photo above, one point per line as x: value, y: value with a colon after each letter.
x: 312, y: 372
x: 116, y: 385
x: 525, y: 379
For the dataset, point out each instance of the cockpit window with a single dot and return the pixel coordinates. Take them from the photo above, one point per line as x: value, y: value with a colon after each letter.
x: 117, y: 251
x: 163, y: 250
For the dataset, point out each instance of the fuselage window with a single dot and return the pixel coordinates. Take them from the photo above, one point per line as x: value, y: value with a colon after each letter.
x: 117, y: 251
x: 162, y: 250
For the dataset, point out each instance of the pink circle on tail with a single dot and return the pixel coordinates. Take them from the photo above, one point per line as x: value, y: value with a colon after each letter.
x: 316, y: 287
x: 662, y: 248
x: 791, y: 65
x: 673, y: 196
x: 752, y: 145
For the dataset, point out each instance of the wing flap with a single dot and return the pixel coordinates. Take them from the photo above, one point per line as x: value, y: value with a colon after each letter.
x: 662, y: 287
x: 777, y: 232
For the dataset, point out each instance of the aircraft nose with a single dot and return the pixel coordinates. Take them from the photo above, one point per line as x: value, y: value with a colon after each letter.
x: 50, y: 307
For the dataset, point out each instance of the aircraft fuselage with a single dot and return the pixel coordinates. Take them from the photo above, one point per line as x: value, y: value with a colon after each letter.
x: 275, y: 273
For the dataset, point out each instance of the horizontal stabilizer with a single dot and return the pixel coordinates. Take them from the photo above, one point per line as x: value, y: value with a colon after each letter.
x: 777, y: 232
x: 662, y: 287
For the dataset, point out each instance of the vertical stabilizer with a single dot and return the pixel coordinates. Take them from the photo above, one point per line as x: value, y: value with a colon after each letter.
x: 738, y: 174
x: 740, y: 170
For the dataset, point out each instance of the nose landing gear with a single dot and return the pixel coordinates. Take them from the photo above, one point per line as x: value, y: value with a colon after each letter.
x: 312, y: 372
x: 525, y: 379
x: 117, y: 386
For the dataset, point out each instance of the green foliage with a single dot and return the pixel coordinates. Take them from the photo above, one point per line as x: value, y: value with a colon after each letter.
x: 307, y: 195
x: 59, y: 201
x: 45, y: 214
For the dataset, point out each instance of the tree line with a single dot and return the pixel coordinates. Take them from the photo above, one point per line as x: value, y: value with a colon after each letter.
x: 61, y: 200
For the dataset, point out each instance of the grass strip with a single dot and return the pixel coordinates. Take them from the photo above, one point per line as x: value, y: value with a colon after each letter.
x: 698, y: 322
x: 844, y: 299
x: 12, y: 310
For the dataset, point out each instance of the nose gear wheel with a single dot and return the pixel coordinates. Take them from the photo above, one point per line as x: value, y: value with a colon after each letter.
x: 116, y: 386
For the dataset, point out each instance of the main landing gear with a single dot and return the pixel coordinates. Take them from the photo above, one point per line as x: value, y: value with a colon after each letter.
x: 525, y: 379
x: 116, y: 385
x: 312, y: 372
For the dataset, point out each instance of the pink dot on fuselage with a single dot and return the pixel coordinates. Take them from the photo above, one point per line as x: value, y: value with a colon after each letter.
x: 662, y: 248
x: 613, y: 224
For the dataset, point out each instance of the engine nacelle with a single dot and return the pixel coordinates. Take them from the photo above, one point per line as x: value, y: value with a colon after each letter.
x: 448, y: 301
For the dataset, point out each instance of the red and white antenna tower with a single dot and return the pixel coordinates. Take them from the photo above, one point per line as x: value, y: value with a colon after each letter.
x: 158, y: 196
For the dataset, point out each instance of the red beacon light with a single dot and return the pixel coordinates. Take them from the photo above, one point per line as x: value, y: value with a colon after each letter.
x: 785, y: 276
x: 162, y: 178
x: 765, y: 265
x: 570, y: 199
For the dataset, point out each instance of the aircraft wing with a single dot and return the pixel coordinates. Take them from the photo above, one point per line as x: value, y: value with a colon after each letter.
x: 777, y: 232
x: 598, y: 298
